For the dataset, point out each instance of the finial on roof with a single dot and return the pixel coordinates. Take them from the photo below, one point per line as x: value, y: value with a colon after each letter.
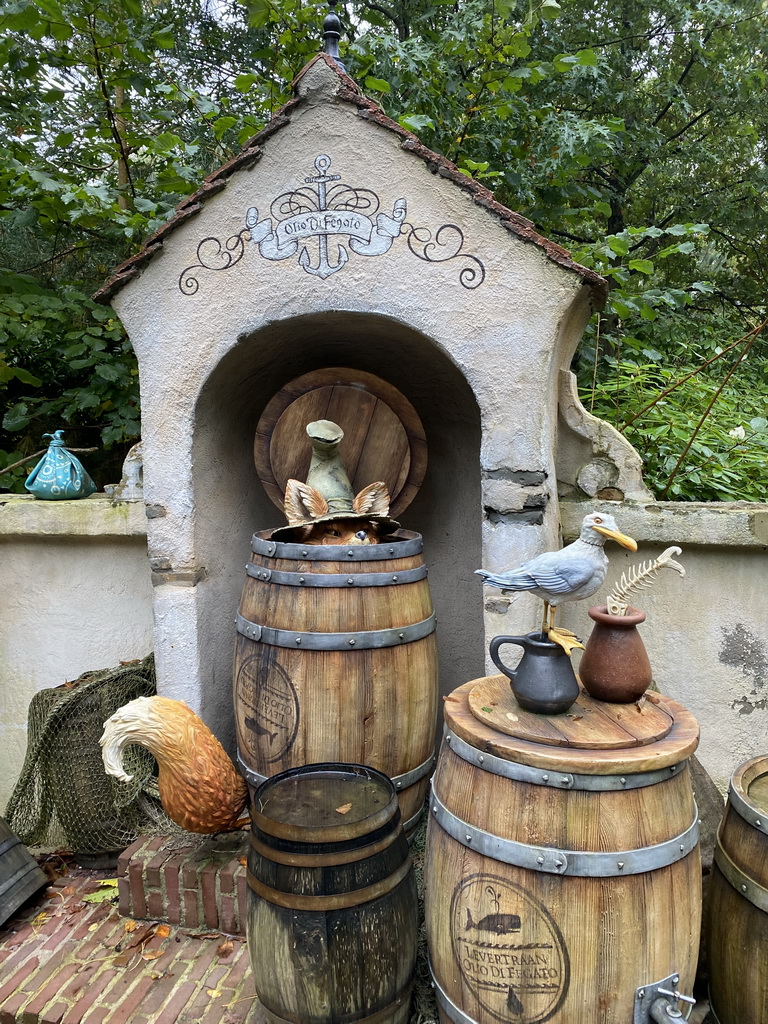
x: 332, y: 33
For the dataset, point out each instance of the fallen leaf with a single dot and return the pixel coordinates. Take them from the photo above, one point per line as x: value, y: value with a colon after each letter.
x: 130, y: 925
x: 576, y: 718
x: 214, y: 993
x: 94, y: 926
x: 511, y: 717
x: 225, y: 949
x: 163, y: 930
x: 344, y: 809
x: 243, y: 861
x: 152, y: 954
x: 107, y: 891
x: 487, y: 710
x: 41, y: 918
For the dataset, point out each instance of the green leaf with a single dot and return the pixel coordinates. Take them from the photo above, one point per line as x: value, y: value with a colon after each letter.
x: 16, y: 418
x: 222, y: 125
x: 377, y: 84
x: 604, y: 208
x: 416, y: 122
x: 244, y: 82
x: 550, y: 9
x: 618, y: 246
x: 642, y: 266
x: 164, y: 38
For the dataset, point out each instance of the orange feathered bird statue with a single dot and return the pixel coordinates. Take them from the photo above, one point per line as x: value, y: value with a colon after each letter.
x: 199, y: 787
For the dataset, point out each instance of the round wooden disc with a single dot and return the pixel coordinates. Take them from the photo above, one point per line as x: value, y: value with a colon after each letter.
x: 569, y: 752
x: 589, y: 724
x: 383, y: 435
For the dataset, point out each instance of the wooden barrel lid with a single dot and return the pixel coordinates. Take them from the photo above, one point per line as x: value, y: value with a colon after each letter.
x: 572, y: 744
x: 589, y: 724
x: 383, y: 435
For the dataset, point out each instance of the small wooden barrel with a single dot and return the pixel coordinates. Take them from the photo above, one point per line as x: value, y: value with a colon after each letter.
x: 20, y: 877
x: 737, y: 929
x: 336, y: 660
x: 562, y: 868
x: 332, y: 920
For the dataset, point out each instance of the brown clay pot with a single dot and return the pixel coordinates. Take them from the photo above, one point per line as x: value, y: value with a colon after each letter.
x: 615, y: 665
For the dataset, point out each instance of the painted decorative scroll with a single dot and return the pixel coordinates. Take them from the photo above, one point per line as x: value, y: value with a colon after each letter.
x: 316, y: 213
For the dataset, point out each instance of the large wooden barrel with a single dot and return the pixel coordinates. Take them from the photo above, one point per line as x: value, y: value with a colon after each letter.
x: 737, y: 930
x: 336, y: 660
x: 20, y: 877
x: 332, y: 920
x: 562, y: 868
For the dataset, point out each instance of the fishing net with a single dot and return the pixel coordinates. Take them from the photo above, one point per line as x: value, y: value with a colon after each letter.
x: 63, y: 796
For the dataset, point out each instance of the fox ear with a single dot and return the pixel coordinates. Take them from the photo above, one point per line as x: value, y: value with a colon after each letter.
x: 372, y: 500
x: 303, y: 503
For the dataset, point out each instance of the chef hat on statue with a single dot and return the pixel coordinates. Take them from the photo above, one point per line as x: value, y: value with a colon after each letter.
x: 328, y: 493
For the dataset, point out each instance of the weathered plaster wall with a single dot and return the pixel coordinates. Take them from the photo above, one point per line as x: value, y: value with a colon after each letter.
x: 707, y: 634
x: 481, y: 365
x: 75, y: 596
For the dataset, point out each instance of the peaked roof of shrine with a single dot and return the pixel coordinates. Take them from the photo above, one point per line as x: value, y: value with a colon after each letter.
x: 348, y: 92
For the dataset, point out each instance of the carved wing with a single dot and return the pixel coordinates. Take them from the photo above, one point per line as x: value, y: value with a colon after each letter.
x: 372, y: 500
x: 303, y: 503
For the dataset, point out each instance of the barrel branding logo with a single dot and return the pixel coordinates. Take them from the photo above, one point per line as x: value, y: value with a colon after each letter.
x: 510, y: 951
x: 270, y: 708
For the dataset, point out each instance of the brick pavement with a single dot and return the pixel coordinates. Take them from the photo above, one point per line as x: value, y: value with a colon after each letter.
x: 64, y: 961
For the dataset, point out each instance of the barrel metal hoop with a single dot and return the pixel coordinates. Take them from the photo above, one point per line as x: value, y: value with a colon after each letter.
x: 372, y: 639
x: 339, y: 901
x: 341, y: 581
x: 746, y: 811
x: 338, y: 552
x: 384, y: 1014
x: 446, y: 1004
x: 712, y: 1012
x: 9, y: 843
x: 400, y: 782
x: 584, y: 864
x: 556, y: 779
x: 414, y: 819
x: 741, y: 882
x: 25, y: 869
x: 313, y: 860
x: 251, y: 777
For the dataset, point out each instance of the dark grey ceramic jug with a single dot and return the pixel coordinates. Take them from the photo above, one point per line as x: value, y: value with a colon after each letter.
x: 544, y: 681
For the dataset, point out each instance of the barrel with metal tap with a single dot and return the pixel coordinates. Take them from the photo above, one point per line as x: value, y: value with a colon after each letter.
x: 562, y: 872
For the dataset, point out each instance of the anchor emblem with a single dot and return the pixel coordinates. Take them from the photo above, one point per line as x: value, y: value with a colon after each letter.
x: 325, y: 205
x: 324, y: 268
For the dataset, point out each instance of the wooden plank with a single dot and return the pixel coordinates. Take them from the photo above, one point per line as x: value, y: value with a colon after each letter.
x: 678, y: 744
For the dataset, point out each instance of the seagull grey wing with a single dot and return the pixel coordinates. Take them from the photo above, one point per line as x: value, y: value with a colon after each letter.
x: 564, y: 579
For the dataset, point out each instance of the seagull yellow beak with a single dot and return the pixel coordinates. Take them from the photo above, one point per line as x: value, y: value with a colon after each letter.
x: 620, y: 538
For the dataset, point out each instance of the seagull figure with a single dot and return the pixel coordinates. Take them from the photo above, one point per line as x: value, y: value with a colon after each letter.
x: 570, y: 574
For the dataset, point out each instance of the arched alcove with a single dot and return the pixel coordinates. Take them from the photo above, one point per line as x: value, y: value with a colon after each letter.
x: 230, y: 503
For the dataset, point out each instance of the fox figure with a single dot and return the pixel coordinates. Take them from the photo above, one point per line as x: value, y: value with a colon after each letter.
x: 303, y: 503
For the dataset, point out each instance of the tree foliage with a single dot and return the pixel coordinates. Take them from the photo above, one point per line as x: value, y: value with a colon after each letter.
x: 632, y: 132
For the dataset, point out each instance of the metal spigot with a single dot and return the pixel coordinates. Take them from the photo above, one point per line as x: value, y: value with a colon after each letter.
x: 655, y: 1002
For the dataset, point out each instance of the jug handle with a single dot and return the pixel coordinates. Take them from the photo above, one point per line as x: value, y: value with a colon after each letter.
x: 494, y: 652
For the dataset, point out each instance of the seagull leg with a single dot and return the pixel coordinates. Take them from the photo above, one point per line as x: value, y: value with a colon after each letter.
x: 544, y: 627
x: 565, y: 638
